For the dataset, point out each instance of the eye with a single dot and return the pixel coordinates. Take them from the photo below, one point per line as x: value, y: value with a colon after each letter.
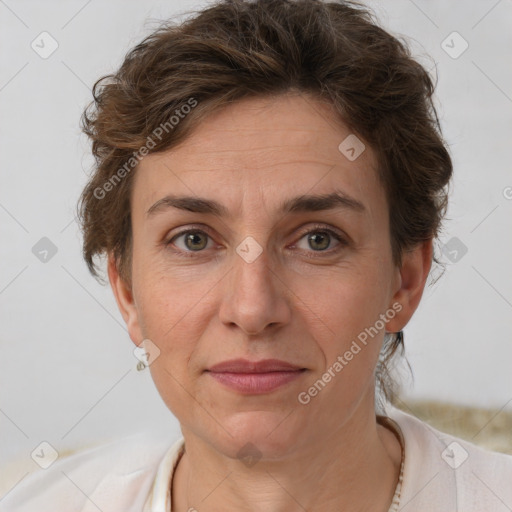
x: 320, y: 239
x: 194, y: 240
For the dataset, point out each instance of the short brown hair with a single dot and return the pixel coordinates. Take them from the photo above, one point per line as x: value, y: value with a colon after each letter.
x: 237, y: 49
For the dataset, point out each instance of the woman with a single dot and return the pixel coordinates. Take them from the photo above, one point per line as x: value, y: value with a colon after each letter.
x: 270, y: 178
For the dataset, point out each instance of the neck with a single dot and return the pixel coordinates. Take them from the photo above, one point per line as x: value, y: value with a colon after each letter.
x: 353, y: 468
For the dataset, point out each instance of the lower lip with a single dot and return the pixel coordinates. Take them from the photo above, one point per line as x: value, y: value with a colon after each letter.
x: 256, y: 383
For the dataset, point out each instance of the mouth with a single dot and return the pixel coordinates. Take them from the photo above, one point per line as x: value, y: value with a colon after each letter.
x: 256, y: 377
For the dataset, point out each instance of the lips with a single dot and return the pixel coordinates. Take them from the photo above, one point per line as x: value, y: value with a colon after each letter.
x: 245, y: 366
x: 255, y: 377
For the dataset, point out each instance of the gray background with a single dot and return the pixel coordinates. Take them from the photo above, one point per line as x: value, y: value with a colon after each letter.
x: 67, y: 368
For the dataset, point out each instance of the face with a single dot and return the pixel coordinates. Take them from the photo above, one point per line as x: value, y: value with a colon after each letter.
x: 261, y: 270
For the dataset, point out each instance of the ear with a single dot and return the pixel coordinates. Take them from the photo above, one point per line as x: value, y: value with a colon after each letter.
x: 411, y: 279
x: 125, y: 301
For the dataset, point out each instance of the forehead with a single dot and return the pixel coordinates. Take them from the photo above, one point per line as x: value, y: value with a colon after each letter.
x: 260, y: 149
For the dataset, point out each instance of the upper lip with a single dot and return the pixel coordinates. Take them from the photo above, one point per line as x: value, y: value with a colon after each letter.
x: 245, y: 366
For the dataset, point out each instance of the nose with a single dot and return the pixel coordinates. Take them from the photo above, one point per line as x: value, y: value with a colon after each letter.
x: 254, y: 297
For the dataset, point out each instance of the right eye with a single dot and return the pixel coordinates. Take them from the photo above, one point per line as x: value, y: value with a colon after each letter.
x: 193, y: 240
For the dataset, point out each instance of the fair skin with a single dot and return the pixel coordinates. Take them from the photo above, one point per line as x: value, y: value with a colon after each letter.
x: 298, y: 301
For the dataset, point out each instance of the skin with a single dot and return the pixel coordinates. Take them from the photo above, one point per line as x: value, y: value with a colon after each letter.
x: 294, y: 302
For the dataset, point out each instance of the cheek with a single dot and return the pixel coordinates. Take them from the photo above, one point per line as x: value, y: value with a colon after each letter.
x: 169, y: 319
x: 349, y: 341
x: 165, y: 299
x: 350, y: 300
x: 344, y: 320
x: 172, y: 322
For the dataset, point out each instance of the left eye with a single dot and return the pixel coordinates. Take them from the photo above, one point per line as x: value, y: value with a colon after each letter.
x: 194, y: 240
x: 320, y: 239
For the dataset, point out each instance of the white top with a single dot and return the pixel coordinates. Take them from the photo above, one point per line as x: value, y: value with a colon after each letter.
x: 440, y: 473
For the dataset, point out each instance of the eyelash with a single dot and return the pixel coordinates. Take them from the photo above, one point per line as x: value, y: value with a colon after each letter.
x: 317, y: 228
x: 342, y: 242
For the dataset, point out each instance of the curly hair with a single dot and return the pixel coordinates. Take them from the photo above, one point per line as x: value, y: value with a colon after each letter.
x: 236, y: 49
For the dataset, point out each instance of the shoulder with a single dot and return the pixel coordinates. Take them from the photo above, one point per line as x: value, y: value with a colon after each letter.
x: 115, y: 476
x: 444, y: 472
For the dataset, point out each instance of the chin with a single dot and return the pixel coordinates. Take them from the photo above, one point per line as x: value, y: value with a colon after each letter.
x: 269, y: 434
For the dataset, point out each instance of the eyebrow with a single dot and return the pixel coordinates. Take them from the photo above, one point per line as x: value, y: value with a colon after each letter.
x: 303, y: 203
